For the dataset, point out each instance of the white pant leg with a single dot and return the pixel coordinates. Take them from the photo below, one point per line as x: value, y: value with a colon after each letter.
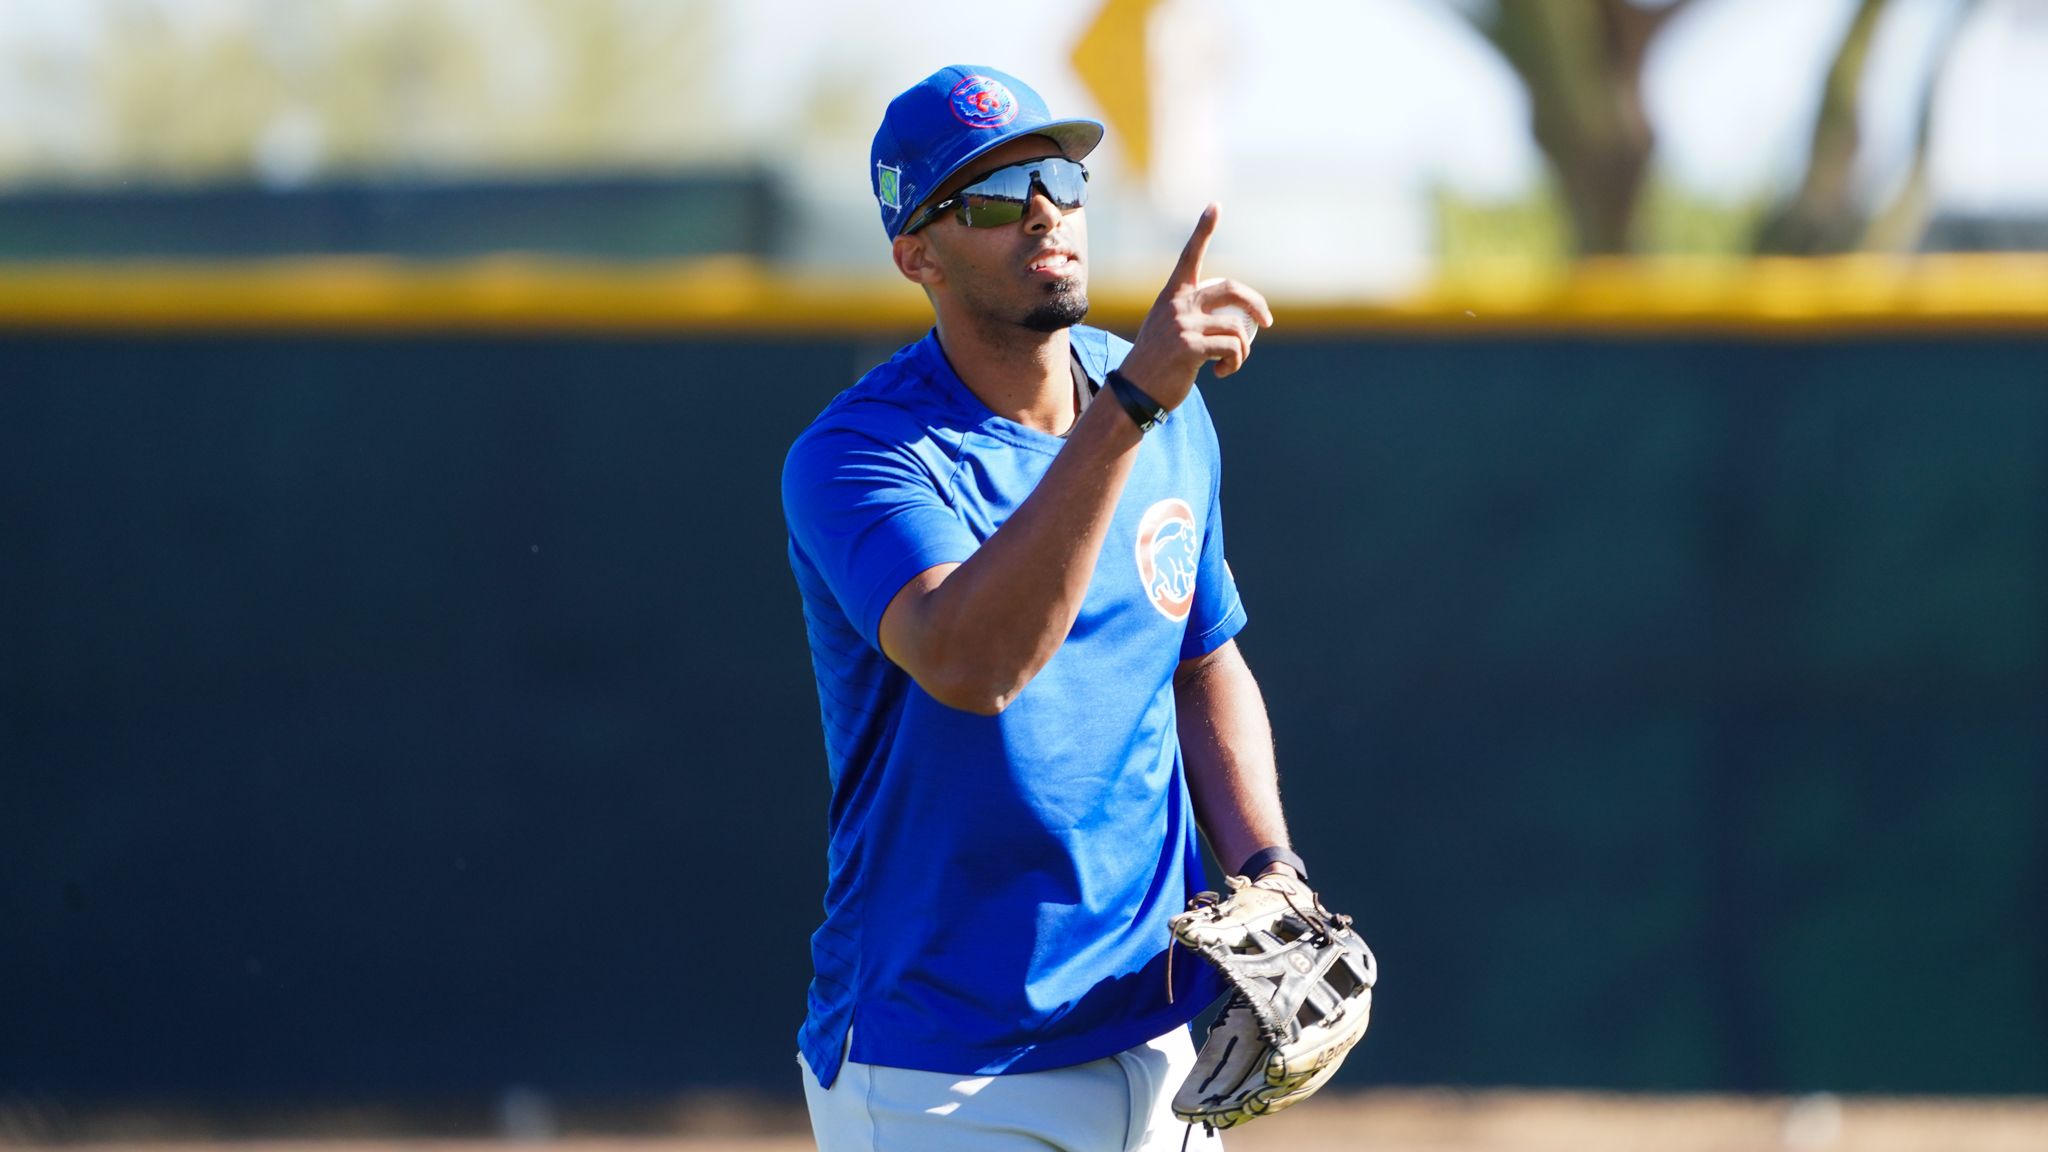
x: 1155, y: 1070
x: 1122, y: 1103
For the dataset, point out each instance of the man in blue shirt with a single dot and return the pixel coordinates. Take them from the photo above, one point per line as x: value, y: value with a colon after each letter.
x: 1023, y: 630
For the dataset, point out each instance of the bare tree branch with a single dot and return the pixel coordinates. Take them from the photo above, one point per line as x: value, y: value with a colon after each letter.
x: 1898, y: 228
x: 1822, y: 216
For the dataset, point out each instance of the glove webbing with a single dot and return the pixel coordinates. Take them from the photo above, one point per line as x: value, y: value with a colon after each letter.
x: 1283, y: 974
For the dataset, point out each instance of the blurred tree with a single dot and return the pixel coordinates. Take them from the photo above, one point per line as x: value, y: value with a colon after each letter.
x: 181, y: 103
x: 1823, y: 215
x: 1826, y: 214
x: 1582, y: 62
x: 1900, y: 225
x: 290, y: 92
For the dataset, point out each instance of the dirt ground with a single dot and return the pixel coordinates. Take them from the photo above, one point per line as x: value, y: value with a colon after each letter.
x: 1384, y: 1121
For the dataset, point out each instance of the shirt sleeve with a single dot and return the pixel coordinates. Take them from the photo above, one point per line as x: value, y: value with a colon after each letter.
x: 869, y: 516
x: 1218, y: 612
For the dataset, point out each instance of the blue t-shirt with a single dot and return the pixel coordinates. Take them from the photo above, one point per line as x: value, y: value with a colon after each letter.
x: 998, y: 886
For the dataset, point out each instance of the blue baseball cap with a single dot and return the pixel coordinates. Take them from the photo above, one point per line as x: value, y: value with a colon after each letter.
x: 949, y: 118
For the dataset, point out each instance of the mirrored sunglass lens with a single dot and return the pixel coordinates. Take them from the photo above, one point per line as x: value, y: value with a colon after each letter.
x: 990, y: 211
x: 999, y: 197
x: 1010, y: 183
x: 1066, y: 183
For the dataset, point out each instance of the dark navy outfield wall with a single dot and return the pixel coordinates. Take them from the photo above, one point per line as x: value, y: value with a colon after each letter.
x: 420, y: 716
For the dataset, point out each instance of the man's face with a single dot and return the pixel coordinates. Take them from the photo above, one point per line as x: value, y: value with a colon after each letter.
x: 1033, y: 272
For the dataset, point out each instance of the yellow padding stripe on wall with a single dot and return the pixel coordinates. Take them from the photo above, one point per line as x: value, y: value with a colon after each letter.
x: 1853, y: 294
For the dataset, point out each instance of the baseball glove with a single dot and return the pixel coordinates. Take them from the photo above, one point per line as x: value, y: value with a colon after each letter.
x: 1301, y: 996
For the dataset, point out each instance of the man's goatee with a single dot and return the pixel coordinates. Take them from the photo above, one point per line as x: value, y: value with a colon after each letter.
x: 1066, y: 309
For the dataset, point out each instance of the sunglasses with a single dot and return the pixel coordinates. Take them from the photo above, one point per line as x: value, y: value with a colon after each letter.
x: 996, y: 198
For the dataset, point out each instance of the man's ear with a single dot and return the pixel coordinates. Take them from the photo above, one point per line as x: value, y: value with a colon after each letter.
x: 914, y: 259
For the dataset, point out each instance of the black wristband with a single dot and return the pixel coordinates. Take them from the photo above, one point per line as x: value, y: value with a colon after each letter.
x: 1274, y: 855
x: 1144, y: 411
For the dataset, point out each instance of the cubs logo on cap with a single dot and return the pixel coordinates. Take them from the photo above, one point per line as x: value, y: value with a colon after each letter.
x: 945, y: 121
x: 981, y: 102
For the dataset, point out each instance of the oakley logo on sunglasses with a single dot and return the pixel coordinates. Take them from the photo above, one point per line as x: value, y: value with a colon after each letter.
x: 996, y: 198
x: 980, y: 102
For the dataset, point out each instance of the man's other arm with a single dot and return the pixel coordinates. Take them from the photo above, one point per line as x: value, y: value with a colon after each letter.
x: 1226, y: 744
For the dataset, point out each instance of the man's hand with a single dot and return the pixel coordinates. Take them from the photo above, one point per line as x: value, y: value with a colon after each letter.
x: 1183, y: 330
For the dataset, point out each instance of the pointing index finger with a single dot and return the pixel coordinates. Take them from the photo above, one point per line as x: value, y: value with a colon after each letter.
x: 1189, y: 271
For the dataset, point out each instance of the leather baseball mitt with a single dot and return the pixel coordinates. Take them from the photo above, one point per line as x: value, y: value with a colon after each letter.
x: 1301, y: 996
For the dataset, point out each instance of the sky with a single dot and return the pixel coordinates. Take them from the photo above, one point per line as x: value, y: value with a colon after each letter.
x: 1732, y: 86
x: 1327, y: 126
x: 1281, y: 107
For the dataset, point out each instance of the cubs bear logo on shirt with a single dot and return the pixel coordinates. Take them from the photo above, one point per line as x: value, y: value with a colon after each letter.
x: 1169, y: 548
